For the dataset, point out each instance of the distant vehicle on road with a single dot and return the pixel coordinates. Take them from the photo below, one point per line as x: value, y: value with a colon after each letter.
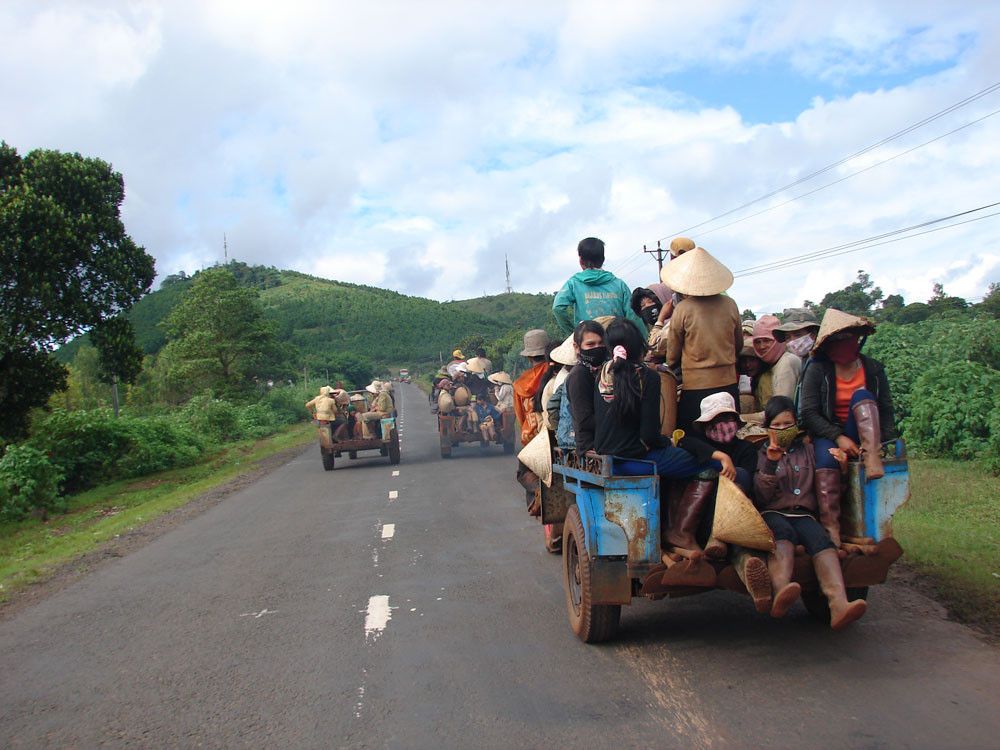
x: 404, y: 375
x: 386, y: 442
x: 611, y: 541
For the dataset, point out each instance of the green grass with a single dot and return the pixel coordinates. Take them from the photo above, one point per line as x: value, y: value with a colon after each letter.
x: 31, y: 550
x: 950, y: 532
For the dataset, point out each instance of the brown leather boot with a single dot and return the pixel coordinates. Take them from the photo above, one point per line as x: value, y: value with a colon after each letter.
x: 780, y: 564
x: 828, y: 499
x: 870, y: 432
x: 752, y: 570
x: 685, y: 513
x: 716, y: 549
x: 831, y: 583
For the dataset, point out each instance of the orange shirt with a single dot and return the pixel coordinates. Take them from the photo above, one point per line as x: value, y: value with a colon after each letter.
x: 845, y: 390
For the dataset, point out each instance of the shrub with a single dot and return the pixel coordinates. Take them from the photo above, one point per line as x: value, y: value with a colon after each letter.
x: 951, y: 411
x: 257, y: 420
x: 157, y: 444
x: 28, y: 481
x: 287, y: 404
x: 84, y: 446
x: 213, y: 418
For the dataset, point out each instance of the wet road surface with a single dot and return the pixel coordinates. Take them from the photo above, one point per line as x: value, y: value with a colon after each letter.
x: 360, y: 608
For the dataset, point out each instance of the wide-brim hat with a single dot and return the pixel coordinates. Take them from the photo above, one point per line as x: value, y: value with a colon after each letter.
x: 697, y: 273
x: 796, y: 319
x: 748, y: 350
x: 457, y: 354
x: 535, y: 342
x: 681, y: 245
x: 342, y: 397
x: 565, y: 353
x: 737, y: 520
x: 325, y: 390
x: 500, y: 378
x: 835, y: 321
x: 475, y: 365
x: 357, y: 397
x: 537, y: 456
x: 371, y: 388
x: 716, y: 404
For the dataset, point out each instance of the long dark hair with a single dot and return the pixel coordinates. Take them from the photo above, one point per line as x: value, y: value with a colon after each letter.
x: 627, y: 373
x: 550, y: 372
x: 587, y: 326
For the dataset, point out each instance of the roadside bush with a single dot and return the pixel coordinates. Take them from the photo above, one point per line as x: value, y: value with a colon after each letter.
x: 213, y: 418
x: 257, y: 421
x: 287, y: 404
x: 28, y: 482
x: 951, y: 410
x: 993, y: 446
x: 84, y: 446
x: 156, y: 444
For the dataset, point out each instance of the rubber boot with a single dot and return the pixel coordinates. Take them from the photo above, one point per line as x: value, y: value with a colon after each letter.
x: 828, y: 499
x: 716, y: 549
x: 866, y: 418
x: 831, y: 583
x: 780, y: 565
x: 685, y: 513
x: 752, y: 570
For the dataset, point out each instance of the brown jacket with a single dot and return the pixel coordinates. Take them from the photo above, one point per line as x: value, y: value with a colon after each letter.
x: 705, y: 338
x: 786, y: 485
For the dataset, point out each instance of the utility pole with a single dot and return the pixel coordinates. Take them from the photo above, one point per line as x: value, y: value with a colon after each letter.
x: 506, y: 263
x: 659, y: 253
x: 225, y: 250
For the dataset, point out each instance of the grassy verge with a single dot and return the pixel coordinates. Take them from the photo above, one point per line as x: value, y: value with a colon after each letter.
x: 950, y: 531
x: 31, y: 550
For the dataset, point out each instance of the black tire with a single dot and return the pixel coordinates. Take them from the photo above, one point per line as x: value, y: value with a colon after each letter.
x: 328, y: 460
x: 352, y: 454
x: 592, y: 623
x: 817, y: 605
x: 394, y: 448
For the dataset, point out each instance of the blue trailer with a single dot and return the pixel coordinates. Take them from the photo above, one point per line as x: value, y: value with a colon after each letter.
x: 612, y: 553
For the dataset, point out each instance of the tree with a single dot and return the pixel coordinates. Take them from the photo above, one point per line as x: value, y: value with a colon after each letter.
x: 120, y: 358
x: 66, y: 264
x: 858, y: 298
x: 747, y: 315
x: 941, y: 302
x: 991, y: 302
x: 217, y: 336
x: 891, y: 306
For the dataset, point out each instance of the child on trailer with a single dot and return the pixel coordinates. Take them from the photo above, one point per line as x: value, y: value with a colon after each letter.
x: 785, y: 494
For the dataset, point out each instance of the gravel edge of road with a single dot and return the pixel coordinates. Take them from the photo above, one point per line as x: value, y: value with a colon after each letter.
x: 73, y: 570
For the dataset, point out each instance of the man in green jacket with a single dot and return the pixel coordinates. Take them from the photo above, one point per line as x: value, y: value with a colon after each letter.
x: 593, y: 292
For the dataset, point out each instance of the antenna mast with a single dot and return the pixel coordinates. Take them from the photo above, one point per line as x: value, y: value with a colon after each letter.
x: 507, y: 266
x: 225, y: 249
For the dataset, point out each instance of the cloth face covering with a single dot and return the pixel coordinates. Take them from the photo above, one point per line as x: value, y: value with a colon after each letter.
x: 843, y: 351
x: 650, y: 314
x: 787, y: 436
x: 595, y: 357
x: 801, y: 346
x: 723, y: 431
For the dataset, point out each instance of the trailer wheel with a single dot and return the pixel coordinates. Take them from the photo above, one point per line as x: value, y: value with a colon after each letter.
x: 445, y: 447
x: 328, y: 460
x: 592, y: 623
x: 394, y: 449
x: 817, y: 605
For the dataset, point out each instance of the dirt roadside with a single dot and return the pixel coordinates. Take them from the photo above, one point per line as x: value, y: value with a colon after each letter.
x: 71, y: 571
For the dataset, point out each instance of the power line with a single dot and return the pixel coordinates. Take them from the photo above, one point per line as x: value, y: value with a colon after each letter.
x: 869, y: 242
x: 822, y: 170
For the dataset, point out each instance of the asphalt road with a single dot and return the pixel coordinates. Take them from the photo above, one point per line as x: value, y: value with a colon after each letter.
x: 361, y: 609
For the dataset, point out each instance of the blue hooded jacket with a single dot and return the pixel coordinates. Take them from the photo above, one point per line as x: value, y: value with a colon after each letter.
x: 593, y: 293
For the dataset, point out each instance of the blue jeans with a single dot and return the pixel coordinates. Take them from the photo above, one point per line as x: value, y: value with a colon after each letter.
x: 822, y: 446
x: 671, y: 462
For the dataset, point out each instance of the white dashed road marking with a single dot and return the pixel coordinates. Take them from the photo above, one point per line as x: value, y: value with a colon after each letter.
x: 388, y: 530
x: 396, y: 473
x: 377, y: 615
x: 393, y: 494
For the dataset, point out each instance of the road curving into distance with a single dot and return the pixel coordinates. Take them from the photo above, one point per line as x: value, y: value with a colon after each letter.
x: 364, y: 608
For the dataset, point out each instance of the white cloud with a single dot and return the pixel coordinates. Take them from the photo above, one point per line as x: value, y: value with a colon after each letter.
x: 414, y: 147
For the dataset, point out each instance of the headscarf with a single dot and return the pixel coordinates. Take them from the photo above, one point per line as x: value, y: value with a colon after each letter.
x: 662, y: 291
x: 764, y: 329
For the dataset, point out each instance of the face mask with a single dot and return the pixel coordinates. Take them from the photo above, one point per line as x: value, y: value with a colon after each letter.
x: 787, y: 436
x: 594, y: 357
x: 801, y: 347
x: 650, y: 314
x: 723, y: 432
x: 843, y: 351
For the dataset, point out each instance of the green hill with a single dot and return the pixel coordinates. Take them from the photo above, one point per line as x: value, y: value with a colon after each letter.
x: 325, y: 320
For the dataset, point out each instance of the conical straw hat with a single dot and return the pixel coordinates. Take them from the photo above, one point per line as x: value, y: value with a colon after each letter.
x: 835, y: 321
x: 565, y: 353
x: 737, y: 521
x: 697, y: 273
x: 537, y: 456
x: 500, y: 378
x: 681, y: 245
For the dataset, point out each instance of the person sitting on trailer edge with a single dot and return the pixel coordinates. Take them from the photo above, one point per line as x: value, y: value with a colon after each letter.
x: 786, y: 495
x: 381, y: 407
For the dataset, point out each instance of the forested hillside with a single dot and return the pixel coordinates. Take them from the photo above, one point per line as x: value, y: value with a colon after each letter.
x: 330, y: 321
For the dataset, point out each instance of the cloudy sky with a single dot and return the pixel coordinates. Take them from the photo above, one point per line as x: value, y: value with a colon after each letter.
x: 413, y: 145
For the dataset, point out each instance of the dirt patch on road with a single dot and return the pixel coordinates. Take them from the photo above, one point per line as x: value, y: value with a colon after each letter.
x: 120, y: 546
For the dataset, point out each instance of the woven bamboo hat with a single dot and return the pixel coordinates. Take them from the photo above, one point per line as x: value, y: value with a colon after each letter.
x: 737, y: 521
x: 835, y: 321
x: 565, y: 353
x: 604, y: 321
x: 475, y: 365
x: 357, y: 397
x: 500, y: 378
x: 340, y: 396
x: 697, y: 273
x: 537, y: 456
x: 372, y: 387
x: 680, y: 245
